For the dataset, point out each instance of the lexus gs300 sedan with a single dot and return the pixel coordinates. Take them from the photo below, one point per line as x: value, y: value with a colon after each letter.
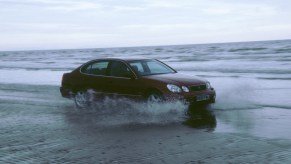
x: 136, y: 78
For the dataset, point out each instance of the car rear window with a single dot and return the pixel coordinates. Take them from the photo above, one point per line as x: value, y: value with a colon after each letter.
x: 96, y: 68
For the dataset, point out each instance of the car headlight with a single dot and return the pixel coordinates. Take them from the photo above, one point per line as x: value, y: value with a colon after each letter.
x: 185, y: 89
x: 174, y: 88
x: 208, y: 86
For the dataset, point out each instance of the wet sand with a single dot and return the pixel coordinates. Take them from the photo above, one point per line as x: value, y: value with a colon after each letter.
x: 39, y: 126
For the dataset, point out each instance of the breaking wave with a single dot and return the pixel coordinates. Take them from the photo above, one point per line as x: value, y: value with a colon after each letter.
x: 247, y: 49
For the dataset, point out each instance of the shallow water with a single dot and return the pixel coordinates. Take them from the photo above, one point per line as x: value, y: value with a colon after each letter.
x: 250, y: 119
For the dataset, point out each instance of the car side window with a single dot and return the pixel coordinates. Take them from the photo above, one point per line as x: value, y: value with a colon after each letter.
x: 97, y: 68
x: 119, y: 69
x: 137, y: 66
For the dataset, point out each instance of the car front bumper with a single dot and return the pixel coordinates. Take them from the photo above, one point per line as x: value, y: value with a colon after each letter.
x: 206, y: 96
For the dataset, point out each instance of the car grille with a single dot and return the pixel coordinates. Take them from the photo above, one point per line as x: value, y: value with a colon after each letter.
x: 197, y: 88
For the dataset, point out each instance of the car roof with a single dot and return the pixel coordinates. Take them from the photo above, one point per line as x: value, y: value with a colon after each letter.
x: 124, y: 58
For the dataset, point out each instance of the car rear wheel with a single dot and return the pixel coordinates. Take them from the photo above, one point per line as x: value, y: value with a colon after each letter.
x: 82, y: 99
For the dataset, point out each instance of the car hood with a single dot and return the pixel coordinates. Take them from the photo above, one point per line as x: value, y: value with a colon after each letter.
x: 177, y: 78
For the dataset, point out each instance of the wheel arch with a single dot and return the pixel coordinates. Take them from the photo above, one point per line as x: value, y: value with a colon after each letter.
x: 152, y: 90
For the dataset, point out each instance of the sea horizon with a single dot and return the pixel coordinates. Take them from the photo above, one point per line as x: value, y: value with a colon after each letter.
x: 166, y: 45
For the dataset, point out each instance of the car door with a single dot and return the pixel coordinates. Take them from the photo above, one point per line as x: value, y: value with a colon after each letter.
x: 94, y: 76
x: 123, y: 81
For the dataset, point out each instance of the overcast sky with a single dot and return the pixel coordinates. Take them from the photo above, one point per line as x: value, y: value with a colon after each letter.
x: 61, y: 24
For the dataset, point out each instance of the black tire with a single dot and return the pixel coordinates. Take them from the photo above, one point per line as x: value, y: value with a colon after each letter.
x: 154, y: 97
x: 82, y: 99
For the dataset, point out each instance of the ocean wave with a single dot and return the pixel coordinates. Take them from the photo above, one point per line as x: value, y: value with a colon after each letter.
x: 275, y: 106
x: 247, y: 49
x: 282, y: 50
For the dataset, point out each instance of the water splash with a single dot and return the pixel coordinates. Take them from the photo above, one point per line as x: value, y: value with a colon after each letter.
x: 117, y: 111
x: 236, y: 93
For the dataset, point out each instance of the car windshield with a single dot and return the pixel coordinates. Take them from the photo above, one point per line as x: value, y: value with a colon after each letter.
x: 150, y: 67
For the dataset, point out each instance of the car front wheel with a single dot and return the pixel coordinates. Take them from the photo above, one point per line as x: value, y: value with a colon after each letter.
x: 154, y: 97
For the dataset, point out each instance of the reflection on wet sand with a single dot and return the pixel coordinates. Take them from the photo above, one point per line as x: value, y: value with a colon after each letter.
x: 200, y: 116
